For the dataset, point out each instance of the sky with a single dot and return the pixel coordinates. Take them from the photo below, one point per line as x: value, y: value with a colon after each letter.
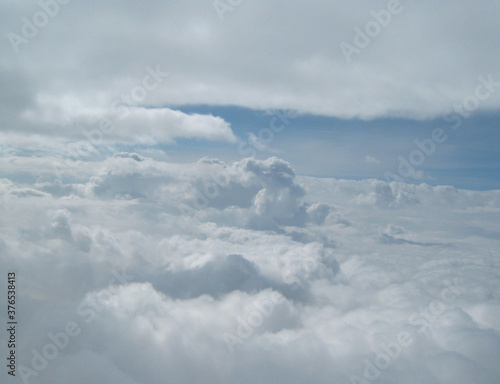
x: 242, y: 192
x: 418, y: 63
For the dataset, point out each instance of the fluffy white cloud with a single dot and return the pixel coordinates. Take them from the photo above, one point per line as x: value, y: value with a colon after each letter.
x: 131, y: 124
x: 312, y: 280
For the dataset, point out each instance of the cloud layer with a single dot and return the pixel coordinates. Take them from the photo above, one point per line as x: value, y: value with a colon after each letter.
x: 293, y: 61
x: 275, y: 277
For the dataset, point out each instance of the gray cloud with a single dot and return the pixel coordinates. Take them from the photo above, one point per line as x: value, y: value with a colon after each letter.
x: 295, y: 50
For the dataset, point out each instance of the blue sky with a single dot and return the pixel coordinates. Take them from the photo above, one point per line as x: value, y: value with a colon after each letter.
x: 358, y: 149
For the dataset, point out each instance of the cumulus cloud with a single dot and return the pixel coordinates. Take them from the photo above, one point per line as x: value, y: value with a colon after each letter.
x: 277, y: 276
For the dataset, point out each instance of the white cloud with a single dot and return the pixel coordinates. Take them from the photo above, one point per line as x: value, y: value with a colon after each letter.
x: 369, y: 261
x: 126, y: 123
x: 292, y: 62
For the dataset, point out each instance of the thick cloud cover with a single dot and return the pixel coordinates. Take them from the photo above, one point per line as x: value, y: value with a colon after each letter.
x: 293, y: 60
x: 135, y: 269
x: 244, y: 273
